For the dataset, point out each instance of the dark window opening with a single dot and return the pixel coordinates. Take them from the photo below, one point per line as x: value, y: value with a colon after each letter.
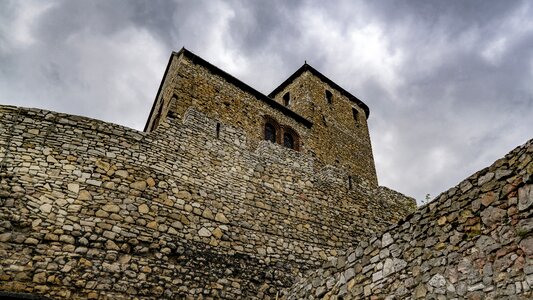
x: 329, y: 97
x: 287, y: 99
x: 355, y: 115
x: 270, y: 132
x: 218, y: 130
x: 288, y: 141
x: 350, y: 182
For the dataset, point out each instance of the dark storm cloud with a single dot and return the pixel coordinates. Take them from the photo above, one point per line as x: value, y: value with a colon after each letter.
x: 465, y: 101
x: 448, y: 82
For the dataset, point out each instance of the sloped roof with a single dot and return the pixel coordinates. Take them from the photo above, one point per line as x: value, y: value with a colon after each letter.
x: 328, y: 81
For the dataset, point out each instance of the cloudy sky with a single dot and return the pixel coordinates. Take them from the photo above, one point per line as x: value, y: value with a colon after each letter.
x: 449, y: 83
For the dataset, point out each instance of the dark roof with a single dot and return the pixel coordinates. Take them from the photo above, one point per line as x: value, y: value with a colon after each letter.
x: 307, y: 67
x: 243, y: 86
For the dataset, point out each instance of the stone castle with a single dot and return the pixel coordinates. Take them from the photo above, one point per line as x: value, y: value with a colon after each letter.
x: 230, y: 193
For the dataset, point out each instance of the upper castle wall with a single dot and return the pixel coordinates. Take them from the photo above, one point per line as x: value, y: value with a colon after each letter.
x: 325, y: 131
x: 339, y: 135
x: 92, y: 209
x: 188, y: 83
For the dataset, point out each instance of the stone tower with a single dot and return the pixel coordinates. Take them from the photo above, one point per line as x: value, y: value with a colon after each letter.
x: 339, y: 135
x: 308, y: 112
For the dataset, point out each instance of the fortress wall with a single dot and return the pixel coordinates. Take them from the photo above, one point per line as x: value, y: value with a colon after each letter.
x: 191, y: 84
x: 474, y: 241
x: 91, y: 209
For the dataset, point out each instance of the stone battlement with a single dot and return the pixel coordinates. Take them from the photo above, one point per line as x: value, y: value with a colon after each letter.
x: 100, y: 209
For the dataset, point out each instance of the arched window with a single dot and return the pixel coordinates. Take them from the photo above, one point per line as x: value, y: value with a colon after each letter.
x: 291, y: 139
x: 270, y: 132
x: 288, y: 140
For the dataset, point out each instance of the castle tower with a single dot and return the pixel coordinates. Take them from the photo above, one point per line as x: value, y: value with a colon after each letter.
x: 308, y: 112
x: 339, y: 135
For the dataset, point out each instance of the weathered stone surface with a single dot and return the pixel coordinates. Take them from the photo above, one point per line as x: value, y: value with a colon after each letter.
x: 386, y: 240
x: 74, y: 187
x: 6, y: 236
x: 462, y: 245
x: 199, y: 208
x: 525, y: 197
x: 492, y: 215
x: 527, y: 246
x: 219, y: 217
x: 420, y: 291
x: 204, y: 232
x: 46, y: 208
x: 143, y: 209
x: 111, y: 208
x: 388, y: 267
x: 138, y: 185
x: 184, y: 195
x: 84, y: 195
x: 437, y: 281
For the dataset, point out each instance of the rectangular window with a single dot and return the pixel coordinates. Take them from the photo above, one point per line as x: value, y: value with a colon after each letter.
x: 329, y: 97
x: 287, y: 99
x: 355, y: 115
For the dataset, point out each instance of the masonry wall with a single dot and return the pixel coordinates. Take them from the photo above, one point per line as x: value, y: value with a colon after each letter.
x: 333, y: 124
x: 474, y: 241
x: 90, y: 209
x: 190, y: 83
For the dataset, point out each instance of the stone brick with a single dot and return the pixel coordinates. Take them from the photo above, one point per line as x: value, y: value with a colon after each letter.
x: 203, y: 207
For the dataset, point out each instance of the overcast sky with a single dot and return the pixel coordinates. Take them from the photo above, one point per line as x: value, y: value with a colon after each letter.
x: 449, y: 83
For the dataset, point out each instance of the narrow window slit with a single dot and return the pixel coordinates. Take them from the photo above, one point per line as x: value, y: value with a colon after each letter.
x: 350, y: 182
x: 329, y: 97
x: 218, y: 130
x: 355, y: 115
x: 287, y: 99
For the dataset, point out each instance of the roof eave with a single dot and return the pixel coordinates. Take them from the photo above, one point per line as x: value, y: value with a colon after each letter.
x: 307, y: 67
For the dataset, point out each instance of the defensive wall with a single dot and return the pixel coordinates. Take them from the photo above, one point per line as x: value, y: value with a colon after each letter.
x: 90, y: 209
x: 326, y: 131
x: 339, y: 120
x: 474, y: 241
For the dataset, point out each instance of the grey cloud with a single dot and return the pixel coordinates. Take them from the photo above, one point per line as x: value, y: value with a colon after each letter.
x: 448, y: 82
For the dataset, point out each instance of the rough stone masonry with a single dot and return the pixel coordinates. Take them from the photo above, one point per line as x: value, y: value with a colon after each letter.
x: 473, y: 242
x: 233, y: 194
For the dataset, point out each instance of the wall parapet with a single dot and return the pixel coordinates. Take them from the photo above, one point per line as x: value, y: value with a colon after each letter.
x: 474, y: 241
x: 93, y: 209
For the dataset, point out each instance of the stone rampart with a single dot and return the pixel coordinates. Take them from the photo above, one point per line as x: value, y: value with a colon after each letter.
x: 472, y: 242
x: 90, y: 209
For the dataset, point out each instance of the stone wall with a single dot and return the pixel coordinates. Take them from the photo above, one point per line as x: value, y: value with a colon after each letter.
x: 333, y: 124
x: 474, y: 241
x: 192, y: 82
x: 90, y: 209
